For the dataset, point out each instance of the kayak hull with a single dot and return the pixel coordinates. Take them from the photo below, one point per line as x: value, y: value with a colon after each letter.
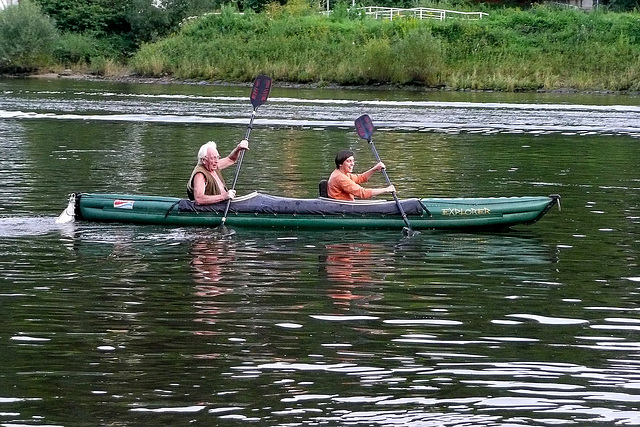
x: 260, y: 211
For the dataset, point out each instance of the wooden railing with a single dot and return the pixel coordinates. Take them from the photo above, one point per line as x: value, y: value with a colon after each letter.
x: 419, y: 13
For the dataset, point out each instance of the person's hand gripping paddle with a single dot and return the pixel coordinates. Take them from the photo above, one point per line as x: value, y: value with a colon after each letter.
x: 259, y: 95
x: 365, y: 128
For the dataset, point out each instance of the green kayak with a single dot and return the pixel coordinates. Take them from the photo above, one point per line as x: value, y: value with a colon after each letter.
x: 258, y: 210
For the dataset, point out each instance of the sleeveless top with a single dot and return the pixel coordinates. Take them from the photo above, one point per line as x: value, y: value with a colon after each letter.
x: 211, y: 187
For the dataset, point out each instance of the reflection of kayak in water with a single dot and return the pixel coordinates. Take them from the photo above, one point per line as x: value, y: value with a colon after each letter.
x: 259, y: 210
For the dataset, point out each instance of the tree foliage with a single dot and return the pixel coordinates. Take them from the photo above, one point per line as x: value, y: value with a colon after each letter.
x: 27, y: 37
x: 97, y: 17
x: 126, y: 23
x: 150, y: 21
x: 624, y: 5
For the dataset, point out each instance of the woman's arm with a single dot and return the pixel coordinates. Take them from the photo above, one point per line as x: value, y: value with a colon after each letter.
x: 349, y: 186
x: 378, y: 191
x: 377, y: 167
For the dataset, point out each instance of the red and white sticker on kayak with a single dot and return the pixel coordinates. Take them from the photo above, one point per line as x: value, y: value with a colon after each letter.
x: 123, y: 204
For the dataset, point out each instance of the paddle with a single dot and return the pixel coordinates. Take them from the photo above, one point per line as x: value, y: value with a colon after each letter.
x: 364, y: 127
x: 259, y: 95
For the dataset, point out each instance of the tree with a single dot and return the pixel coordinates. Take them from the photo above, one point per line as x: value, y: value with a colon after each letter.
x: 27, y: 37
x: 96, y: 17
x: 153, y: 19
x: 624, y: 5
x: 127, y: 23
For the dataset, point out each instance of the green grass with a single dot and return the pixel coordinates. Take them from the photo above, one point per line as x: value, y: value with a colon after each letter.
x: 511, y: 50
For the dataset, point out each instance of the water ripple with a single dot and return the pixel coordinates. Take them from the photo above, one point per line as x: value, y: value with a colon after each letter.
x: 317, y: 113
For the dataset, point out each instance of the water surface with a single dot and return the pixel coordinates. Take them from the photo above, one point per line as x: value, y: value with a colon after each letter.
x: 141, y: 325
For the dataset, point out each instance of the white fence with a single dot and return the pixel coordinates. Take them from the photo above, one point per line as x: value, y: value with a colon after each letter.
x: 420, y: 13
x: 378, y: 12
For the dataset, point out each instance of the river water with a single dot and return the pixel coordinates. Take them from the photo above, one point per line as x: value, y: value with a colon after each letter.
x: 141, y: 325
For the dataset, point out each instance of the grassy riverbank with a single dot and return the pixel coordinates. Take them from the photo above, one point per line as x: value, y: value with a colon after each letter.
x: 511, y: 50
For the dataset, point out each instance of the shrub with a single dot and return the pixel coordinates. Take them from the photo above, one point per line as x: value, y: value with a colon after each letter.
x: 377, y: 61
x: 419, y: 58
x: 27, y: 37
x: 107, y: 67
x: 74, y: 48
x: 82, y: 49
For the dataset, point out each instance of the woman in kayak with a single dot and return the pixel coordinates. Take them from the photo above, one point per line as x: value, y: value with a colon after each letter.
x: 206, y: 185
x: 344, y: 184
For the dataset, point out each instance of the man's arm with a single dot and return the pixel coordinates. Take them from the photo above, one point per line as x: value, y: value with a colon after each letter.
x: 199, y: 184
x: 233, y: 156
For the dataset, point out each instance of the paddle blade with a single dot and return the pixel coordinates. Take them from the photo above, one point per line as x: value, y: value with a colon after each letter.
x: 224, y: 232
x: 409, y: 232
x: 364, y: 127
x: 260, y: 90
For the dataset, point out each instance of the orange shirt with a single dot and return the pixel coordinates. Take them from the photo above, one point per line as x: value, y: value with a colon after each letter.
x: 345, y: 186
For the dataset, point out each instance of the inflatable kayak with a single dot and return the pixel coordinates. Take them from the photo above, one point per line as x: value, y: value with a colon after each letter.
x: 258, y: 210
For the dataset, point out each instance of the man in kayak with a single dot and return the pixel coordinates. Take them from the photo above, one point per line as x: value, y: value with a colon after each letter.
x: 206, y: 185
x: 345, y: 185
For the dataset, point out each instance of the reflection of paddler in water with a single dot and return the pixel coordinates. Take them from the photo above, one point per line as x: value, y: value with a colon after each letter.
x: 349, y: 266
x: 210, y: 256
